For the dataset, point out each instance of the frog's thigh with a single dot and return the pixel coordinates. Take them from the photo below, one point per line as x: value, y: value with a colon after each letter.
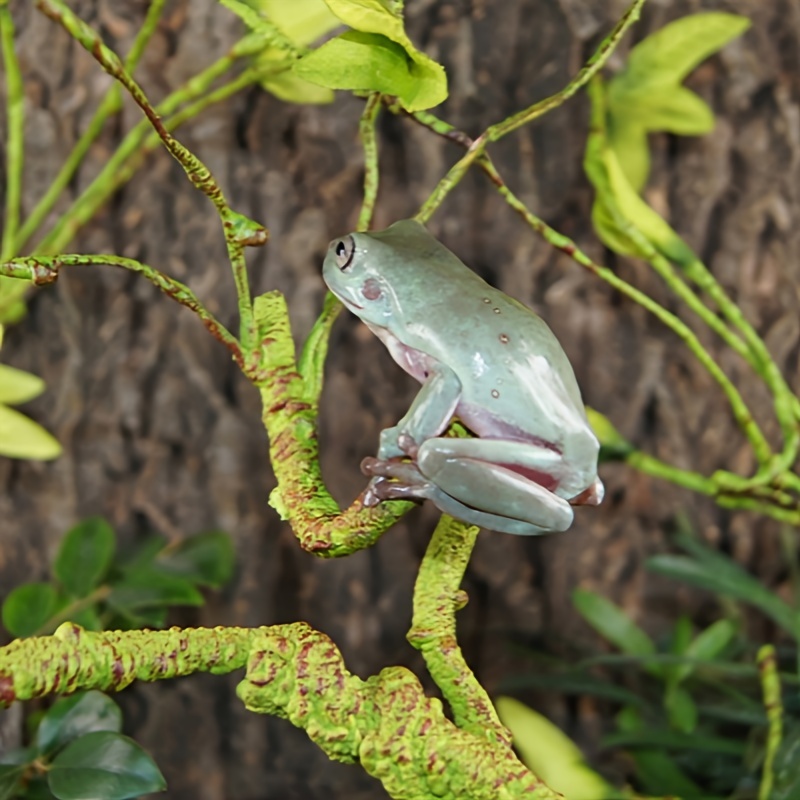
x: 491, y: 488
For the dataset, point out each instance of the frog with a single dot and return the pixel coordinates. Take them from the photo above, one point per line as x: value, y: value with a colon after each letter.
x: 484, y: 359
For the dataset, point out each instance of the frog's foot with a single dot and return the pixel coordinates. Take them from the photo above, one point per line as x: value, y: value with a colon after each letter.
x: 592, y: 496
x: 401, y: 480
x: 391, y: 480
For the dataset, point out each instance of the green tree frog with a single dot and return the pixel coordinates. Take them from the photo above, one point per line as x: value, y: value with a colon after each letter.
x: 483, y: 357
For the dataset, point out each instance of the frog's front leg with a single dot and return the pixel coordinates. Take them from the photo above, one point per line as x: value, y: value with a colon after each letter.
x: 429, y: 415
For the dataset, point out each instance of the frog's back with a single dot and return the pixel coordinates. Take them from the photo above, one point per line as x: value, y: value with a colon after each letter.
x: 511, y: 366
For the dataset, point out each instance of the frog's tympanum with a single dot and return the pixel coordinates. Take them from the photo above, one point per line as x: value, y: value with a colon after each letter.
x: 480, y: 356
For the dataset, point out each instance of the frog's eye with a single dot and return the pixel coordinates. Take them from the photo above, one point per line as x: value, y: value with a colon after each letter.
x: 345, y: 250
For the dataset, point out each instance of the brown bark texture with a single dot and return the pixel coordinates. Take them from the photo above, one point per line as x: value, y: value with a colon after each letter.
x: 161, y: 432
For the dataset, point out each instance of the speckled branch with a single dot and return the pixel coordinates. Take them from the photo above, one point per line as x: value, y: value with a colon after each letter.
x: 385, y: 723
x: 73, y: 659
x: 437, y: 598
x: 290, y: 410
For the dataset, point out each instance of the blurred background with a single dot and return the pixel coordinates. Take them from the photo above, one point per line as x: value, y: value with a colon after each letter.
x: 162, y: 434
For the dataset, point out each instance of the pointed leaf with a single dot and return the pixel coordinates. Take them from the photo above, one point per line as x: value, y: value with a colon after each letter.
x: 74, y: 716
x: 17, y: 386
x: 552, y: 755
x: 148, y: 588
x: 611, y: 622
x: 661, y: 776
x: 707, y: 645
x: 370, y: 62
x: 613, y: 445
x: 422, y: 81
x: 21, y: 437
x: 628, y: 139
x: 303, y: 21
x: 672, y: 52
x: 10, y: 775
x: 731, y: 580
x: 207, y: 559
x: 104, y: 765
x: 681, y: 709
x: 673, y: 109
x: 85, y: 556
x: 291, y: 88
x: 28, y: 607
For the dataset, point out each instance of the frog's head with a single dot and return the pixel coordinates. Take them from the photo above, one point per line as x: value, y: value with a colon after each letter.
x: 357, y: 270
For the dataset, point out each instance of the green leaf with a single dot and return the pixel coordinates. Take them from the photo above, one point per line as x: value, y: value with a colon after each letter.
x: 628, y: 139
x: 302, y: 21
x: 207, y: 559
x: 74, y: 716
x: 728, y: 578
x: 291, y: 88
x: 148, y: 588
x: 671, y: 53
x: 85, y: 556
x: 551, y: 754
x: 612, y: 623
x: 28, y: 608
x: 575, y: 683
x: 674, y: 109
x: 661, y: 776
x: 614, y: 446
x: 104, y: 765
x: 17, y: 386
x: 21, y: 437
x: 707, y: 645
x: 10, y: 775
x: 681, y: 709
x: 619, y: 213
x: 673, y: 740
x: 368, y: 62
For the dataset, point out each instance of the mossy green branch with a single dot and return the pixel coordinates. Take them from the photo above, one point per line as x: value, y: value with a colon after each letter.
x: 437, y: 598
x: 73, y: 659
x: 290, y: 417
x: 771, y: 688
x: 385, y: 723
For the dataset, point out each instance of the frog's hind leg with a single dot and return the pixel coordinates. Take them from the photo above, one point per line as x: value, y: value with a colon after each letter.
x: 461, y: 469
x: 396, y: 480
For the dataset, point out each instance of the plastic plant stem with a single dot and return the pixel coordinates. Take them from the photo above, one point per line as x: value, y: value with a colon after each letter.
x: 385, y: 723
x: 369, y: 142
x: 290, y: 418
x: 139, y: 141
x: 500, y: 129
x: 110, y: 104
x: 437, y: 598
x: 15, y: 98
x: 152, y: 141
x: 770, y: 466
x: 239, y: 231
x: 45, y: 269
x: 590, y: 69
x: 771, y: 688
x: 311, y: 364
x: 73, y: 659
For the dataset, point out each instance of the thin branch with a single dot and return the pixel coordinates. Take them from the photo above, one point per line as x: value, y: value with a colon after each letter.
x: 43, y: 270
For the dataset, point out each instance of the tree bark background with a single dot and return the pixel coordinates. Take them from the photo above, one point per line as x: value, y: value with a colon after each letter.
x: 160, y: 431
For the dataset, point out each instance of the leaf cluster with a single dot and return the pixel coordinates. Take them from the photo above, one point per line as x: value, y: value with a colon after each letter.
x: 77, y: 751
x: 99, y: 588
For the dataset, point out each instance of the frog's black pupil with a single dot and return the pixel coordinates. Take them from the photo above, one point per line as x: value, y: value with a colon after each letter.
x: 341, y: 249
